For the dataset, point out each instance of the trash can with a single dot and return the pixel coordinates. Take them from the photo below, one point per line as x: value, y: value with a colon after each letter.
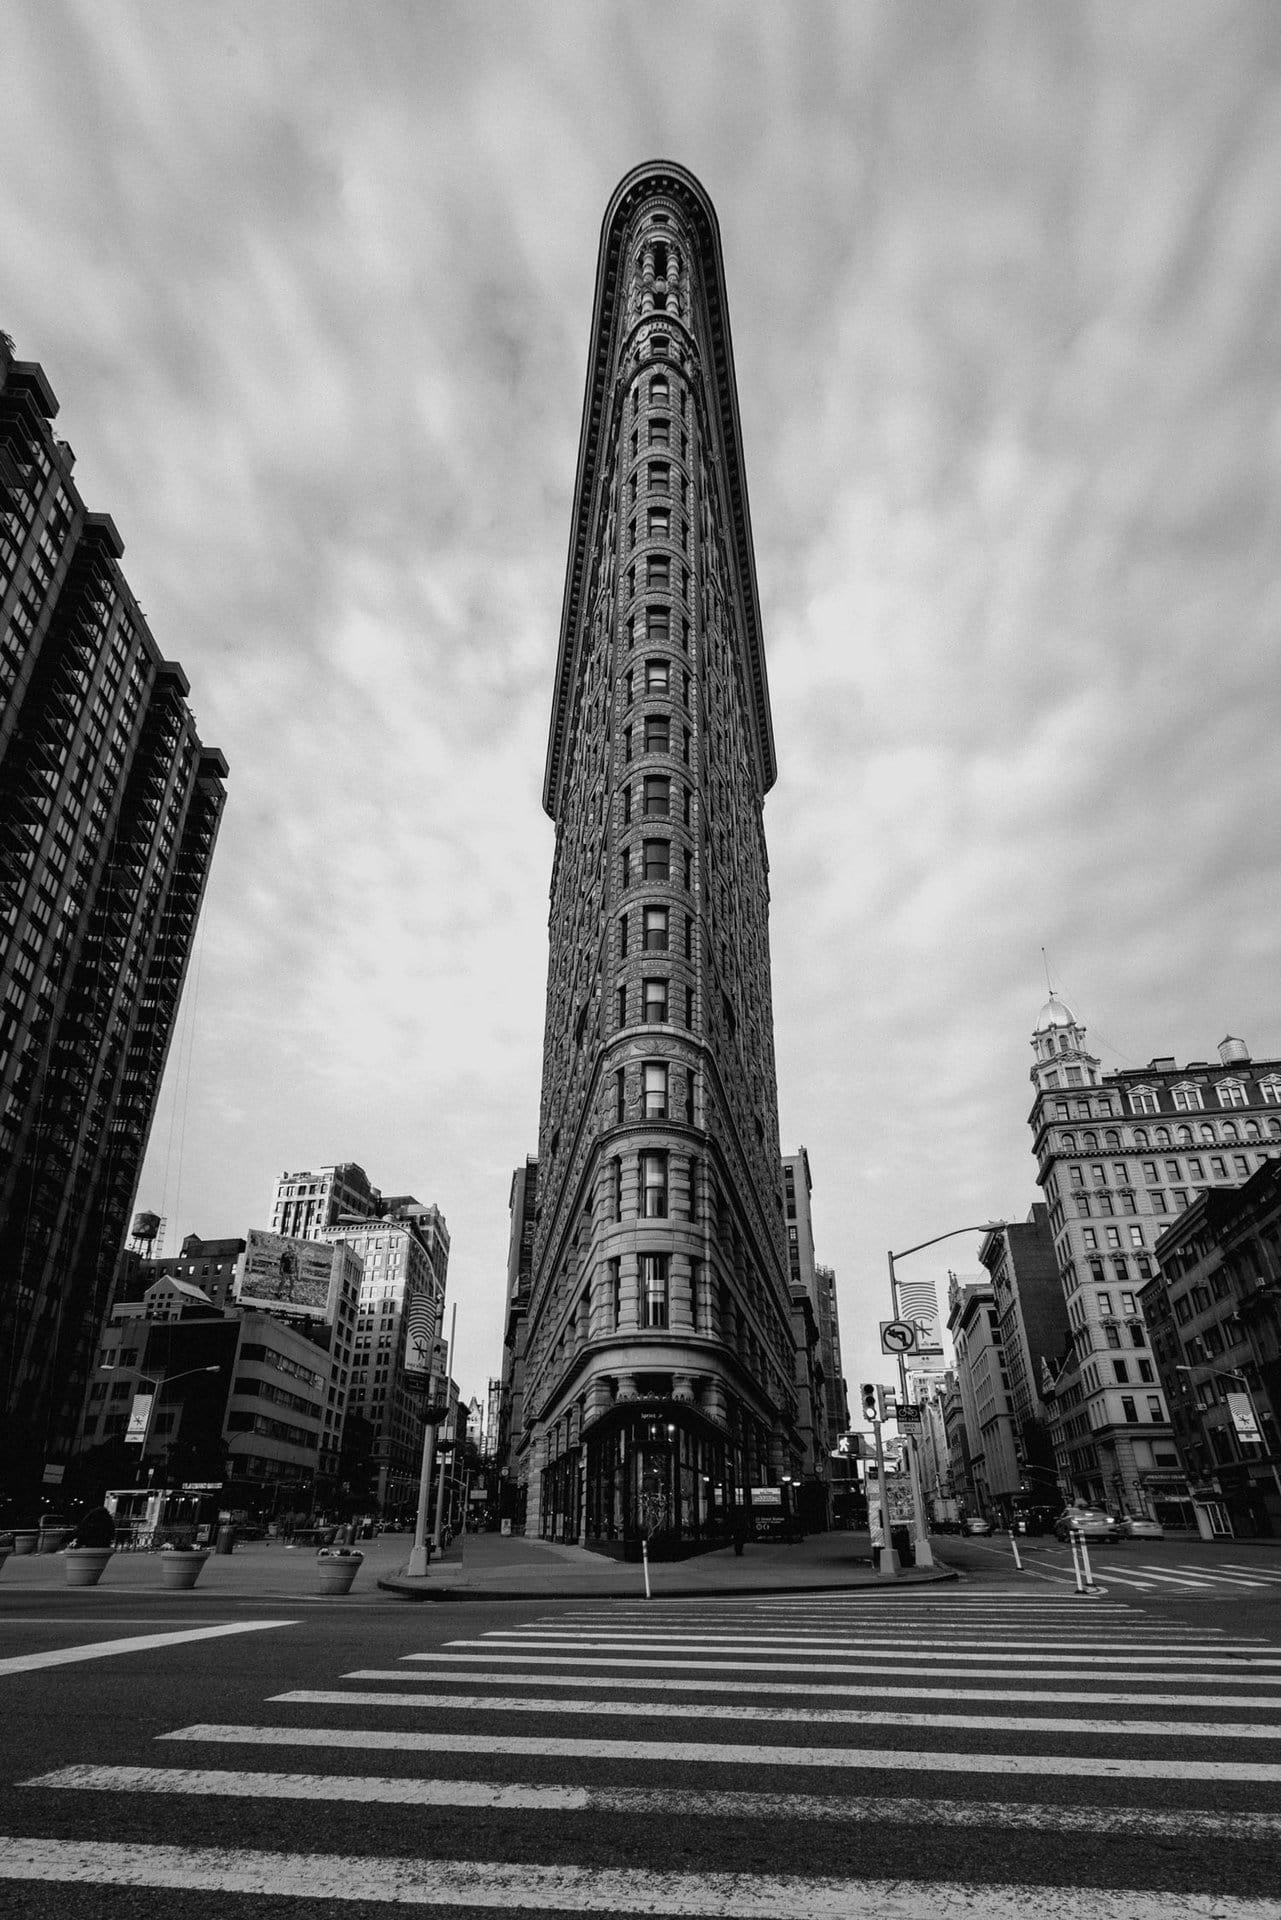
x: 901, y: 1541
x: 226, y: 1538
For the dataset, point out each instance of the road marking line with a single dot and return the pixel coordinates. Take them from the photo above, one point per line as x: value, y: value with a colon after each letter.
x: 783, y: 1716
x: 571, y: 1889
x: 1007, y: 1672
x: 1176, y: 1579
x: 398, y: 1790
x: 712, y: 1643
x: 134, y: 1643
x: 728, y: 1753
x: 1224, y: 1578
x: 889, y: 1647
x: 651, y: 1683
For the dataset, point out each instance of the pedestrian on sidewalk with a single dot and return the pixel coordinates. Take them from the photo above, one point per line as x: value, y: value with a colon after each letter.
x: 738, y: 1526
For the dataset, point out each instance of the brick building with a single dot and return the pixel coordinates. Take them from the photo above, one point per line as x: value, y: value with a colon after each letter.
x: 1120, y: 1155
x: 109, y: 807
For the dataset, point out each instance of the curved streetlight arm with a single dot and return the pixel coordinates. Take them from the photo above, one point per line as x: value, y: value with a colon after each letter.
x: 986, y: 1226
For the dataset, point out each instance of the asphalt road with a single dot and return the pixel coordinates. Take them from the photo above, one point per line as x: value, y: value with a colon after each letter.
x: 997, y: 1747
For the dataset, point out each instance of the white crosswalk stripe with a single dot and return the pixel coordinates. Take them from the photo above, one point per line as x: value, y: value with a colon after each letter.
x: 1029, y: 1710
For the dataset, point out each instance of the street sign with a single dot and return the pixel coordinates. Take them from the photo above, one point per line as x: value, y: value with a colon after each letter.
x: 909, y: 1415
x: 898, y: 1336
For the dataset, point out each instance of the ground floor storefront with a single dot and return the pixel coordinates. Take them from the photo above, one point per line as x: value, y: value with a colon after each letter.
x: 658, y: 1470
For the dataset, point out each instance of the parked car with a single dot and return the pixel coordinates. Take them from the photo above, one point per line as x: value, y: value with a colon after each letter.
x: 1092, y: 1523
x: 976, y: 1524
x: 1135, y: 1526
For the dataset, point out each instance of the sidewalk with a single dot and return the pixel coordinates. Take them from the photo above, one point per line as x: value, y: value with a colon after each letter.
x: 487, y: 1566
x: 483, y: 1566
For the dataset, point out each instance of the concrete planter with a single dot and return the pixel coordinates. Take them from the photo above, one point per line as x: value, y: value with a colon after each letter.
x: 85, y: 1566
x: 180, y: 1569
x: 338, y: 1567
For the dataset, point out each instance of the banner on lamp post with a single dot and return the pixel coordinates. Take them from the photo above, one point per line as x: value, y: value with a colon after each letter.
x: 1241, y: 1408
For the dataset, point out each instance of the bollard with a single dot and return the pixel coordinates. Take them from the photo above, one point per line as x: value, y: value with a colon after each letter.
x: 645, y: 1565
x: 1015, y: 1545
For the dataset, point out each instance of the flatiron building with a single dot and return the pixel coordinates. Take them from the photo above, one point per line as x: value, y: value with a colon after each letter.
x: 658, y: 1353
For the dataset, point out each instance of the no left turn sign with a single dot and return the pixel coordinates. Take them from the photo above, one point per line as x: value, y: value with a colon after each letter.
x: 898, y: 1336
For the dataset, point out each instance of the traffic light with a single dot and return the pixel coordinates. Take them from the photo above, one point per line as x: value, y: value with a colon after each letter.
x: 886, y: 1404
x: 871, y: 1401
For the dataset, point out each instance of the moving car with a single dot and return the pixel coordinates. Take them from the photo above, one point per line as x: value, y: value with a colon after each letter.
x: 1135, y: 1526
x: 1092, y: 1523
x: 978, y: 1525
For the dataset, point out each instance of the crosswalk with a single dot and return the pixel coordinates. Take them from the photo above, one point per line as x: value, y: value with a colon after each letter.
x: 1224, y: 1577
x: 1191, y: 1579
x: 818, y: 1757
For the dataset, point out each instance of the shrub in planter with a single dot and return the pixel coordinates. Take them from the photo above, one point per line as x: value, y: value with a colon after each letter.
x: 180, y: 1567
x: 338, y: 1567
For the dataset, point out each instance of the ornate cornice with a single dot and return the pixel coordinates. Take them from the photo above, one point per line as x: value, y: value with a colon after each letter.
x: 657, y: 178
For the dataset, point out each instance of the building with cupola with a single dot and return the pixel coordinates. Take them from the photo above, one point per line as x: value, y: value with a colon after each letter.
x: 658, y: 1351
x: 1119, y: 1156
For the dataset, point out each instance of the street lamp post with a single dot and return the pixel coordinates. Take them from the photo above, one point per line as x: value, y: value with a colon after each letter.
x: 161, y: 1380
x: 1234, y: 1373
x: 922, y: 1551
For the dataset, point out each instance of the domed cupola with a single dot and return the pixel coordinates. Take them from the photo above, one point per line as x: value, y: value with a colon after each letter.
x: 1058, y: 1043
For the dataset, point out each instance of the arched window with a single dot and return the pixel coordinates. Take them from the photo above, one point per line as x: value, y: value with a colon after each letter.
x: 1112, y: 1140
x: 1183, y: 1136
x: 1069, y: 1143
x: 1141, y: 1138
x: 1163, y: 1136
x: 1230, y: 1133
x: 1090, y: 1142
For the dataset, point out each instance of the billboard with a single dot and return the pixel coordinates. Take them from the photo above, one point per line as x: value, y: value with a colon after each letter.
x: 284, y: 1275
x: 140, y: 1418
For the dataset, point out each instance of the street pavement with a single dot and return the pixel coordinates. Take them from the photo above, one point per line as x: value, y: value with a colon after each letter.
x: 986, y: 1747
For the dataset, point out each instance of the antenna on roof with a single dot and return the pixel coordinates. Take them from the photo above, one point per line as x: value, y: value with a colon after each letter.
x: 1049, y: 988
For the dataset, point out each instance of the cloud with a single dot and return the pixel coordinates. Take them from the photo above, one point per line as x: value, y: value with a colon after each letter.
x: 1002, y: 282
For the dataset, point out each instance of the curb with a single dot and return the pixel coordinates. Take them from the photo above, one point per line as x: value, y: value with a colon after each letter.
x: 457, y: 1590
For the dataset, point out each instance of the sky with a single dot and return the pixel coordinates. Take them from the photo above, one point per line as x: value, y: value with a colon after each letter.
x: 313, y: 285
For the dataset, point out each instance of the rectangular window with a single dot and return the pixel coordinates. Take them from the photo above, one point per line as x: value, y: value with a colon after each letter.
x: 1187, y: 1099
x: 1129, y: 1409
x: 660, y: 523
x: 1231, y: 1093
x: 689, y: 936
x: 657, y: 795
x: 657, y: 676
x: 622, y: 1006
x: 653, y: 1170
x: 616, y: 1188
x: 660, y: 476
x: 657, y: 859
x: 625, y: 868
x: 657, y: 733
x: 620, y: 1095
x: 616, y: 1290
x: 660, y: 433
x: 655, y: 921
x: 1154, y: 1407
x: 689, y: 870
x: 654, y: 1289
x: 655, y: 1085
x: 655, y: 1002
x: 1105, y: 1303
x: 658, y: 570
x: 622, y: 936
x: 658, y: 624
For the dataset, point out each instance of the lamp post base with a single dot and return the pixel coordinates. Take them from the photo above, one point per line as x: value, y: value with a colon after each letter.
x: 418, y: 1558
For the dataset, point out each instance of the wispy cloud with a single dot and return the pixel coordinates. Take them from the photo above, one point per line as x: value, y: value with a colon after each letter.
x: 314, y: 286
